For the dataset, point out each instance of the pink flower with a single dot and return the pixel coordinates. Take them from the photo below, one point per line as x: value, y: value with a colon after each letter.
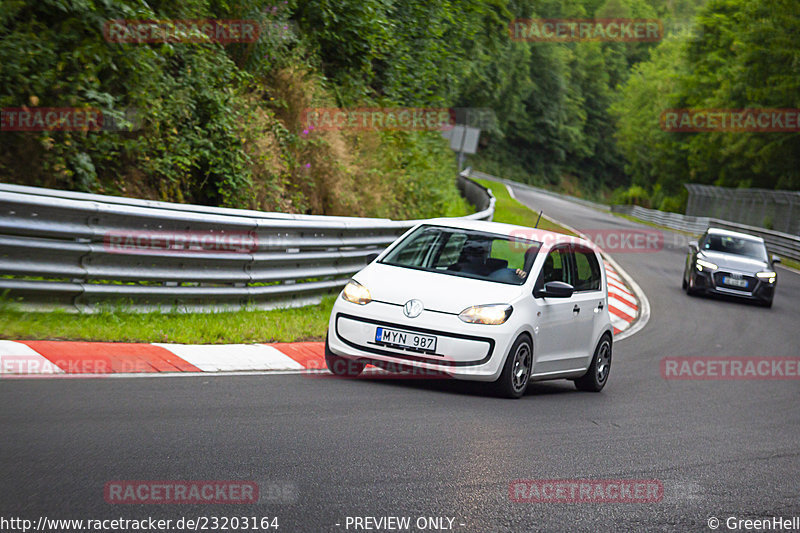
x: 305, y: 132
x: 308, y: 165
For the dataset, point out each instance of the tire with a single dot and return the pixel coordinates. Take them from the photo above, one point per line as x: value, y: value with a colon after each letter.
x: 596, y: 376
x: 516, y: 372
x: 767, y: 303
x: 684, y: 285
x: 342, y: 366
x: 689, y: 290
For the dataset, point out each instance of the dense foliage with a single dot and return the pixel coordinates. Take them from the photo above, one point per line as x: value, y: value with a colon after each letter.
x: 221, y: 124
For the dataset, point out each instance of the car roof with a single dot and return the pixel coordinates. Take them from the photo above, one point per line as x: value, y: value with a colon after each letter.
x: 544, y: 236
x: 729, y: 233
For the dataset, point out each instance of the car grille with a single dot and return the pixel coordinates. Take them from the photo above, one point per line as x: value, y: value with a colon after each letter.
x: 719, y: 276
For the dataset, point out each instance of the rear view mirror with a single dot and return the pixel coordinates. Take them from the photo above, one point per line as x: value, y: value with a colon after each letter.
x: 693, y: 245
x: 776, y: 259
x: 554, y: 289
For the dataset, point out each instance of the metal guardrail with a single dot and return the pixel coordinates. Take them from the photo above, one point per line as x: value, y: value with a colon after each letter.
x: 88, y: 251
x: 671, y: 220
x: 782, y: 244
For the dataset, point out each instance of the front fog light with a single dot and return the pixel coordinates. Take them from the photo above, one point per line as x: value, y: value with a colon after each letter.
x: 356, y: 293
x: 486, y: 314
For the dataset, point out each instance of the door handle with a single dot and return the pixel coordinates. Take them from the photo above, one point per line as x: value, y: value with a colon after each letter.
x: 576, y: 309
x: 601, y: 305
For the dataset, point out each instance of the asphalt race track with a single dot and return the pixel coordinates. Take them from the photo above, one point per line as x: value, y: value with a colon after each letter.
x: 324, y: 449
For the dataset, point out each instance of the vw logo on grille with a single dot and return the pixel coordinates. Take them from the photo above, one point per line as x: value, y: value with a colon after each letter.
x: 413, y: 308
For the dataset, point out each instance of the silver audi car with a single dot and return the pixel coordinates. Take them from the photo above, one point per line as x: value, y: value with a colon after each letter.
x: 731, y: 263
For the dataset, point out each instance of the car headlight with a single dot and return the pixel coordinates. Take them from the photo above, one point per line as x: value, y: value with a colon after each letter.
x: 486, y: 314
x: 702, y: 263
x: 769, y: 276
x: 356, y: 293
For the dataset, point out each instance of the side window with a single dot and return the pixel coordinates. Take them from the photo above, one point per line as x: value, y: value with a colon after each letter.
x: 587, y: 271
x: 556, y: 267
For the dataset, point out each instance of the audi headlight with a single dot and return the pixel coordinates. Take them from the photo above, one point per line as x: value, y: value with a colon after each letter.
x: 486, y: 314
x: 356, y: 293
x: 767, y: 276
x: 708, y: 265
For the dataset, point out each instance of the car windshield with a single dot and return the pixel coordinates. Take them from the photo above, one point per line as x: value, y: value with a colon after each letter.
x: 466, y: 253
x: 735, y: 245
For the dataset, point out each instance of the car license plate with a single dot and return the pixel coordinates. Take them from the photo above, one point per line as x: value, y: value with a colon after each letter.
x: 405, y: 339
x: 733, y: 282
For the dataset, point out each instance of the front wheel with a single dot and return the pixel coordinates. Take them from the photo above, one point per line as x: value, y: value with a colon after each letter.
x: 516, y: 372
x: 597, y: 375
x: 342, y: 366
x: 690, y: 287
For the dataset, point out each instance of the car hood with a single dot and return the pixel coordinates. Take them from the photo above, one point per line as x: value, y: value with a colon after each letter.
x: 437, y: 292
x: 735, y: 262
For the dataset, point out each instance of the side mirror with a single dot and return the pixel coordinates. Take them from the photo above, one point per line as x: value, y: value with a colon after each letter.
x: 372, y: 257
x: 776, y: 259
x: 693, y: 245
x: 554, y: 289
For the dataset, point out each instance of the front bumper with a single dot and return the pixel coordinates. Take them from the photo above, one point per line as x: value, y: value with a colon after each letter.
x: 464, y: 351
x: 711, y: 282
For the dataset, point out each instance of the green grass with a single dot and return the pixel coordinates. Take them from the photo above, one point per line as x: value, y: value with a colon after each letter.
x: 510, y: 211
x: 791, y: 263
x: 246, y: 326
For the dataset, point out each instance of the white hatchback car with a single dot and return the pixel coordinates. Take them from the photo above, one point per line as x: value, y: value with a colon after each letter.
x: 480, y: 301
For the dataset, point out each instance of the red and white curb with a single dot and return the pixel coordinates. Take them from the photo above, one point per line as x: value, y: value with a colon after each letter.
x: 65, y: 359
x: 622, y: 304
x: 102, y: 359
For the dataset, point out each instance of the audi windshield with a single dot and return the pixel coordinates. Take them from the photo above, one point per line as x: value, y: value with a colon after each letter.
x: 735, y: 245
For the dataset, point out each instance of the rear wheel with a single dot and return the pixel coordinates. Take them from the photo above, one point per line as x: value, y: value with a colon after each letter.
x: 516, y: 372
x: 597, y: 375
x: 342, y: 366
